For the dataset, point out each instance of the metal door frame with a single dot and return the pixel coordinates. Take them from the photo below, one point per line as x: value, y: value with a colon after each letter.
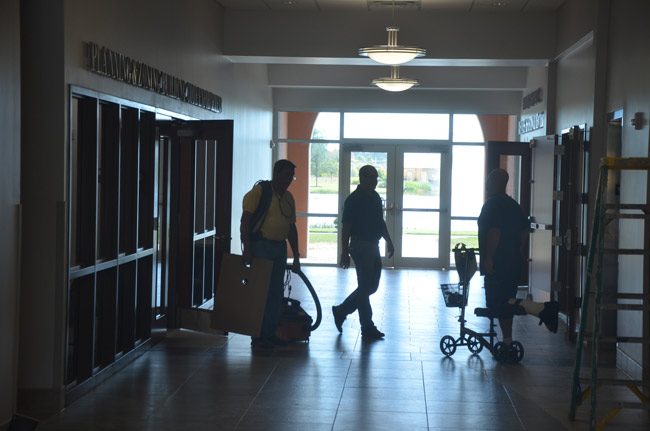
x: 395, y: 150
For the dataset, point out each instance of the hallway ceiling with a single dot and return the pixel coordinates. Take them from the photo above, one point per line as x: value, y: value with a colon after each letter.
x: 482, y: 47
x: 375, y: 5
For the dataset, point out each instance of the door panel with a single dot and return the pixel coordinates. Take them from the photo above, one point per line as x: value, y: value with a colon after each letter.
x: 515, y: 158
x: 415, y: 188
x: 569, y: 222
x: 200, y: 205
x: 381, y: 157
x: 541, y: 212
x: 422, y: 215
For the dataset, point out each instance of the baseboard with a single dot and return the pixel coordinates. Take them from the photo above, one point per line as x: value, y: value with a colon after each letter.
x: 39, y: 403
x: 22, y: 423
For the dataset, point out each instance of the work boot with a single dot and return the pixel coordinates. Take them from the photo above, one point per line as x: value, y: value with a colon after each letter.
x: 339, y: 318
x: 372, y: 333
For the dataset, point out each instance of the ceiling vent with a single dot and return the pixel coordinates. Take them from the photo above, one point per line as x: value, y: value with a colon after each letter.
x: 396, y: 4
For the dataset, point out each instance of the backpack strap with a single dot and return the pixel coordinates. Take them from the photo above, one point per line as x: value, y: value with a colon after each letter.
x: 262, y: 209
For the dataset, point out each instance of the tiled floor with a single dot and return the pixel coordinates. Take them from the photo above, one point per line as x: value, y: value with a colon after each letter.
x: 193, y: 381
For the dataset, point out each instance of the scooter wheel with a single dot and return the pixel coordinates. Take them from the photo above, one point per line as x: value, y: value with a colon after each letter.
x: 500, y: 352
x: 474, y: 344
x: 448, y: 345
x: 516, y: 352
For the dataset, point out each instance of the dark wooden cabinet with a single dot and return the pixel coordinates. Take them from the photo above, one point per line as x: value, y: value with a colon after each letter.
x: 111, y: 204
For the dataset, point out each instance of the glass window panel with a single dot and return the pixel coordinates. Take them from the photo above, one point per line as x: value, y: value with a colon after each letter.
x: 323, y: 178
x: 199, y: 258
x: 74, y: 191
x: 463, y: 231
x: 467, y: 128
x: 327, y: 126
x: 396, y: 126
x: 377, y: 159
x: 322, y: 246
x: 421, y: 180
x: 512, y: 164
x: 420, y: 235
x: 467, y: 180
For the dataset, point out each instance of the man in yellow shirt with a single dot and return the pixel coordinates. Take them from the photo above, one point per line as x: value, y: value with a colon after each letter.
x: 264, y: 235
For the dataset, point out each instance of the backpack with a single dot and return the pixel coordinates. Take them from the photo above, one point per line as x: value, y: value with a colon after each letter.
x: 263, y: 206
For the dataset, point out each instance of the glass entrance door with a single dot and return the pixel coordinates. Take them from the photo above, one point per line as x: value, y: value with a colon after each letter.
x: 414, y: 184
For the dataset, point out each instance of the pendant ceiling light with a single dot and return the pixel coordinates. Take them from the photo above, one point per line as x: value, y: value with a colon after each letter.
x: 394, y: 82
x: 392, y: 53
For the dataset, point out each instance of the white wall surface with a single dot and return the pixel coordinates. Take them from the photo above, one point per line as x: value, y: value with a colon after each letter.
x: 42, y: 191
x: 576, y: 18
x: 629, y: 89
x: 575, y: 88
x: 9, y: 199
x: 414, y: 100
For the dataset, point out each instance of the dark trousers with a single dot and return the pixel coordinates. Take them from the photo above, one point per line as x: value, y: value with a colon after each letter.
x: 367, y: 262
x: 277, y: 252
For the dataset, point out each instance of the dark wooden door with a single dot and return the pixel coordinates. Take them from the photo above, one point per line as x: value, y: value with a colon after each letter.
x: 569, y: 221
x: 200, y: 204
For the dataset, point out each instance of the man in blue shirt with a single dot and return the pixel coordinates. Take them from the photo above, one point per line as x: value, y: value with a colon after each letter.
x: 363, y: 226
x: 502, y: 228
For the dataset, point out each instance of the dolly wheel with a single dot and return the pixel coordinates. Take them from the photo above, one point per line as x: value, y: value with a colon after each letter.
x: 516, y: 351
x: 447, y: 345
x: 500, y: 352
x: 474, y: 344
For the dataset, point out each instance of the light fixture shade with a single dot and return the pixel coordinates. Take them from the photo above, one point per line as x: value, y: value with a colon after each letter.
x: 391, y: 84
x: 392, y: 53
x: 394, y: 82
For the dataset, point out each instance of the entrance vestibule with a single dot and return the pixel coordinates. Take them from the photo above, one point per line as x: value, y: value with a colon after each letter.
x: 431, y: 170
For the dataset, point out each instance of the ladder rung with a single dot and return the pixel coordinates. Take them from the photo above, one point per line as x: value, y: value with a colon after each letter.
x: 639, y: 296
x: 626, y: 251
x: 613, y: 382
x: 641, y: 207
x: 626, y: 162
x: 626, y: 216
x: 639, y: 340
x: 624, y: 405
x: 632, y: 307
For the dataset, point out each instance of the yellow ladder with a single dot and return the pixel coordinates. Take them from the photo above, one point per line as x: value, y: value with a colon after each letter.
x: 593, y: 299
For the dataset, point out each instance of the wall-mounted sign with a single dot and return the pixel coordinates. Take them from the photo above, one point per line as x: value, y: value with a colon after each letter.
x: 104, y: 61
x: 532, y: 99
x: 532, y: 122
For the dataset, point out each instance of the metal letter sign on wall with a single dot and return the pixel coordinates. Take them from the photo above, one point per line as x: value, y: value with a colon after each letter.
x: 532, y: 122
x: 532, y: 99
x: 104, y: 61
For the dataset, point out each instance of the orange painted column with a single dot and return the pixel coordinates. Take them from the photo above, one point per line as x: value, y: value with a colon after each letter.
x: 299, y: 125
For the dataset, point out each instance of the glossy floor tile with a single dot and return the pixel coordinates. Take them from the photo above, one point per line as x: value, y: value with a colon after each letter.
x: 194, y: 381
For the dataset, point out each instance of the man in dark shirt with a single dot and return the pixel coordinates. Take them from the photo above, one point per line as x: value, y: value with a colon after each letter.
x: 502, y: 227
x: 362, y: 227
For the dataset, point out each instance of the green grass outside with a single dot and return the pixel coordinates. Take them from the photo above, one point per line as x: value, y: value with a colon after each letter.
x: 328, y: 236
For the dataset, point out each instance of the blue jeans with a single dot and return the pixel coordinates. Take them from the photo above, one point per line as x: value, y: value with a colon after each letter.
x: 367, y: 262
x: 277, y: 252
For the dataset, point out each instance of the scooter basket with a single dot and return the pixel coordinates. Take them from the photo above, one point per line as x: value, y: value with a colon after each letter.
x: 453, y: 295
